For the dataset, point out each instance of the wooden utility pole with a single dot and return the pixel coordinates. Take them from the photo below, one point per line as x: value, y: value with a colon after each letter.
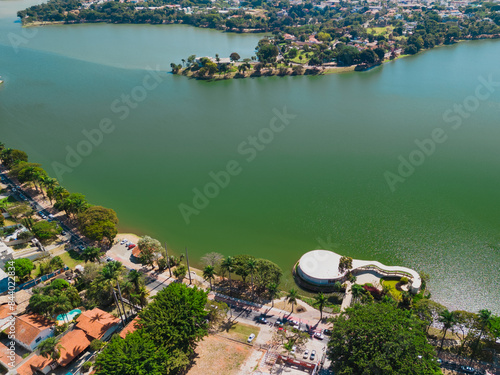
x: 168, y: 260
x: 189, y: 270
x: 118, y: 307
x: 121, y: 299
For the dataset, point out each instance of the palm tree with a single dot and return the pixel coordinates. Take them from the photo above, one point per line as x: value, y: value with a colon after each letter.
x: 91, y: 254
x: 273, y: 291
x: 320, y: 302
x: 61, y: 305
x: 209, y: 274
x: 252, y: 267
x: 135, y: 277
x: 60, y: 192
x: 484, y: 318
x: 357, y: 291
x: 50, y: 348
x: 112, y: 271
x: 49, y: 183
x: 449, y: 319
x: 292, y: 297
x: 228, y: 265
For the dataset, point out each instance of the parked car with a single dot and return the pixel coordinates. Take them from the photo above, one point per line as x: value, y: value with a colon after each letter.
x: 468, y: 369
x: 262, y: 320
x: 278, y: 323
x: 306, y: 354
x: 123, y: 241
x: 294, y: 348
x: 319, y: 335
x: 327, y: 332
x: 81, y: 247
x: 251, y: 337
x: 313, y: 354
x: 131, y: 246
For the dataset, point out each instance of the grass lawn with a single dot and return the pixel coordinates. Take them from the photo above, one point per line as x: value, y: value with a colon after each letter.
x: 297, y: 60
x: 392, y: 285
x: 72, y: 258
x: 240, y: 331
x: 381, y: 30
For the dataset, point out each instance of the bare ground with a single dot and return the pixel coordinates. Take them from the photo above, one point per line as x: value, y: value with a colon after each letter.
x: 217, y: 356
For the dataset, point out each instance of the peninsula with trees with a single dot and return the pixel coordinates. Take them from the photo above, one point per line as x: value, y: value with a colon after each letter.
x: 304, y: 36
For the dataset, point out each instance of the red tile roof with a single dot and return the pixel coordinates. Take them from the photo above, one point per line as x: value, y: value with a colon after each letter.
x: 29, y: 326
x: 96, y: 322
x: 129, y: 328
x: 72, y: 344
x: 6, y: 310
x: 37, y: 362
x: 5, y: 353
x: 136, y: 252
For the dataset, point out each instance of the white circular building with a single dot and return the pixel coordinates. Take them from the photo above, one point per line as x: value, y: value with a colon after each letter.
x: 321, y: 268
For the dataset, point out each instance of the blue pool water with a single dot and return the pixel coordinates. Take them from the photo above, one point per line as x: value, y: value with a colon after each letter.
x: 69, y: 316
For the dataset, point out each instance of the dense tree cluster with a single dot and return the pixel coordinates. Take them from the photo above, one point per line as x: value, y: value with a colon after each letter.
x: 169, y: 330
x: 379, y: 338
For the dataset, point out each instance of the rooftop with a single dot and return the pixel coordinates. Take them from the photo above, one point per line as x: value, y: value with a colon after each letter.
x: 73, y: 343
x: 30, y: 367
x: 29, y: 326
x: 129, y: 328
x: 96, y: 322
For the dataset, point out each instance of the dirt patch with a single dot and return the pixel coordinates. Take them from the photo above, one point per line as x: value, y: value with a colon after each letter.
x: 217, y: 355
x: 282, y: 305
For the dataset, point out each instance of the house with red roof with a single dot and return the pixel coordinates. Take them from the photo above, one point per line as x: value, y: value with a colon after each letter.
x: 72, y: 344
x: 97, y: 324
x: 129, y: 328
x: 32, y: 329
x: 35, y: 365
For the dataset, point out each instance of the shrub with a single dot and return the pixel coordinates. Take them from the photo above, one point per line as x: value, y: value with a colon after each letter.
x: 86, y: 366
x: 96, y: 345
x: 404, y: 280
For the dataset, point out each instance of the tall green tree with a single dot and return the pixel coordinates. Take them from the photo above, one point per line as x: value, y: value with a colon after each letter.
x: 320, y: 302
x: 151, y: 251
x: 91, y: 254
x: 98, y: 224
x: 22, y: 268
x: 50, y: 348
x: 292, y: 297
x: 176, y: 317
x: 273, y: 291
x: 209, y: 274
x: 448, y: 319
x: 228, y: 265
x: 138, y: 354
x: 484, y: 319
x: 378, y: 338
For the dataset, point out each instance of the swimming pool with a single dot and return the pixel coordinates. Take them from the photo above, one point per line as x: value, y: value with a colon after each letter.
x: 68, y: 317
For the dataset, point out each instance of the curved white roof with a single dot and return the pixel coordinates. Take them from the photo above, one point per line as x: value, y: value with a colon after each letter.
x: 324, y: 264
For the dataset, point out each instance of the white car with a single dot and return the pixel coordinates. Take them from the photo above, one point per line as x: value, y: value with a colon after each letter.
x: 293, y: 350
x: 306, y: 354
x: 251, y: 337
x: 313, y: 354
x: 319, y: 335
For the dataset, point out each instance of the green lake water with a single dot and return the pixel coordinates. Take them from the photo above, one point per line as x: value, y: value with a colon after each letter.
x: 318, y: 183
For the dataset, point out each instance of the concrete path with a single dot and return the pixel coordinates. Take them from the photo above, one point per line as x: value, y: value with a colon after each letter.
x: 346, y: 302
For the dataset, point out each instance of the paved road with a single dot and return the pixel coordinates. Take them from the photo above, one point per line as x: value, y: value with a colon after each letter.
x: 21, y: 195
